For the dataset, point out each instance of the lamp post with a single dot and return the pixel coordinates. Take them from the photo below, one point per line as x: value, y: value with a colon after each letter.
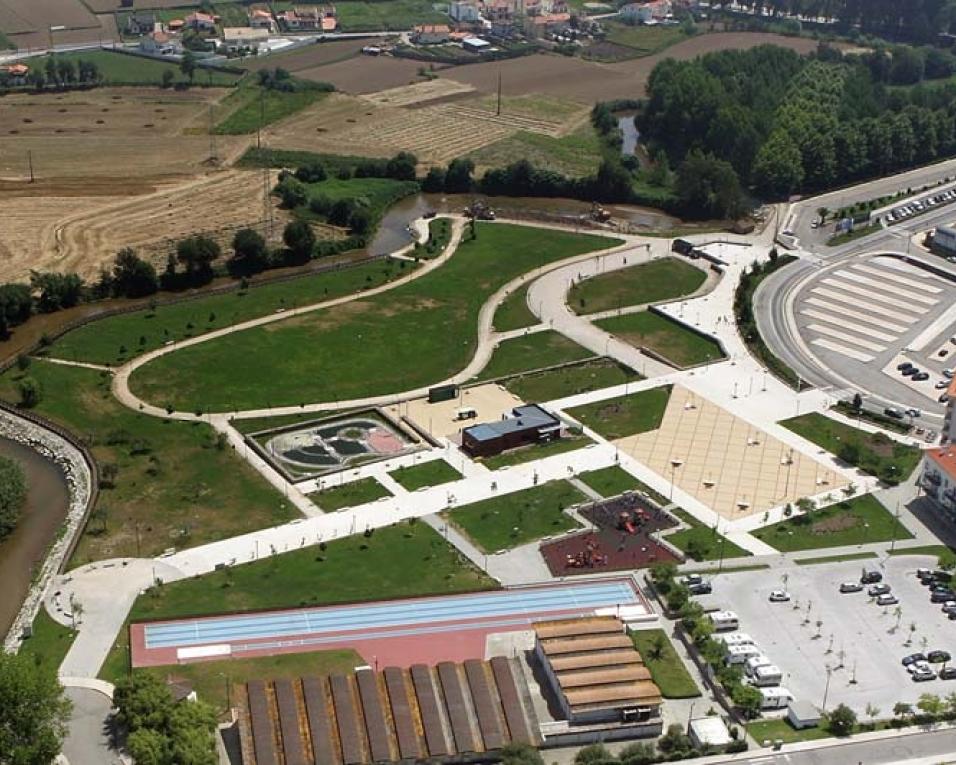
x: 826, y: 690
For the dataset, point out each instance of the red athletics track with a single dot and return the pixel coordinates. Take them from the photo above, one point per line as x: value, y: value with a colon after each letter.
x: 406, y: 632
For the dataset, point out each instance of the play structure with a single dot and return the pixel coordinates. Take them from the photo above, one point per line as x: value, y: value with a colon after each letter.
x: 622, y: 538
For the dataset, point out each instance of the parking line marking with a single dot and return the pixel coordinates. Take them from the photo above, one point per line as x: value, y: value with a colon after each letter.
x: 901, y: 279
x: 888, y: 325
x: 841, y: 349
x: 841, y: 322
x: 869, y: 295
x: 884, y: 286
x: 846, y: 338
x: 858, y: 303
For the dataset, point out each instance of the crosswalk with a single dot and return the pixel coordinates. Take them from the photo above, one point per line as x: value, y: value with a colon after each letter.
x: 861, y: 310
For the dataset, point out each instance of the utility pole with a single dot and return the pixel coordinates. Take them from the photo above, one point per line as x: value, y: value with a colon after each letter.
x: 213, y: 156
x: 30, y: 161
x: 498, y: 110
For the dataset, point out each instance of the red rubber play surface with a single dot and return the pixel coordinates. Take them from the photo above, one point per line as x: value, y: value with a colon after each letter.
x: 389, y: 633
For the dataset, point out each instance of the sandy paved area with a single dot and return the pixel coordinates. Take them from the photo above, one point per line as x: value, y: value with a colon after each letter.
x: 725, y: 462
x: 490, y: 401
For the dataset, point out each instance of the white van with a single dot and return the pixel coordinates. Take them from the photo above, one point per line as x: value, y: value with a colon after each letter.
x: 735, y: 638
x: 775, y: 698
x: 766, y: 676
x: 754, y: 662
x: 738, y: 654
x: 724, y: 620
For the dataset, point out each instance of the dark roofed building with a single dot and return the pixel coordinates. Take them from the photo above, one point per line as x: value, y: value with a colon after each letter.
x: 526, y: 424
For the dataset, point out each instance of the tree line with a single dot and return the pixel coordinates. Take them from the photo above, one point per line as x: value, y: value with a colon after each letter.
x: 772, y: 121
x: 13, y: 493
x: 58, y: 72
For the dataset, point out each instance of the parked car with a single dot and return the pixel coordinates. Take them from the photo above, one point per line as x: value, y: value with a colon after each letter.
x: 878, y: 589
x: 779, y: 596
x: 921, y: 377
x: 913, y: 658
x: 690, y: 579
x: 923, y: 674
x: 943, y: 398
x: 870, y: 576
x: 947, y: 673
x: 948, y: 373
x: 941, y: 384
x: 910, y: 371
x: 938, y: 656
x: 949, y: 607
x: 917, y: 665
x: 889, y: 599
x: 851, y: 587
x: 701, y: 588
x: 908, y: 364
x: 942, y: 596
x: 914, y: 412
x: 924, y: 573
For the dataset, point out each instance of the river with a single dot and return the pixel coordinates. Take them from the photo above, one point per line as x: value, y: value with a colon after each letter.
x: 46, y: 506
x: 393, y: 230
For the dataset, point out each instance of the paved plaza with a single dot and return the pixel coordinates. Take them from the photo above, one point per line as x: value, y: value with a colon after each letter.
x: 727, y: 463
x: 440, y: 419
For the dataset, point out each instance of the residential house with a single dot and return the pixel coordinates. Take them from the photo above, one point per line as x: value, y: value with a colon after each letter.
x: 464, y: 11
x: 259, y: 18
x: 430, y: 34
x: 313, y: 18
x: 201, y: 22
x: 499, y: 10
x: 160, y: 43
x: 238, y: 38
x: 16, y: 72
x: 647, y: 13
x: 550, y: 23
x: 140, y: 23
x: 938, y: 478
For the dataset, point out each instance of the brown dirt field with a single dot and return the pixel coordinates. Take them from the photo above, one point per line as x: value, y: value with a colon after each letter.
x: 310, y: 56
x: 40, y: 15
x: 105, y: 6
x: 577, y: 79
x: 367, y: 74
x: 420, y: 92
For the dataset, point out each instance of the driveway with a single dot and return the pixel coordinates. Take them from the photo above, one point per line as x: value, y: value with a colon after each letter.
x: 88, y: 739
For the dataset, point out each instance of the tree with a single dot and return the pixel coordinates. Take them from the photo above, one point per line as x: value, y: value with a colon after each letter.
x: 778, y: 166
x: 197, y: 253
x: 341, y: 212
x: 300, y: 239
x: 901, y: 709
x: 841, y: 720
x: 360, y: 221
x: 857, y: 403
x: 613, y: 183
x: 520, y: 754
x: 30, y: 391
x: 930, y: 704
x: 658, y: 646
x: 593, y: 753
x: 872, y: 712
x: 56, y: 291
x: 33, y: 711
x: 147, y: 747
x: 638, y: 753
x: 13, y: 493
x: 188, y: 65
x: 250, y: 254
x: 434, y: 180
x: 168, y: 78
x: 402, y: 166
x: 458, y: 178
x: 747, y: 698
x: 675, y: 740
x: 709, y: 187
x: 132, y: 276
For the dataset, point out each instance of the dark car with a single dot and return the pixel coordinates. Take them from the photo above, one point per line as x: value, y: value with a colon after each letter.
x: 701, y: 588
x: 910, y: 371
x: 904, y: 365
x: 871, y: 577
x: 913, y: 658
x: 941, y: 596
x: 921, y: 377
x: 938, y: 657
x: 947, y: 673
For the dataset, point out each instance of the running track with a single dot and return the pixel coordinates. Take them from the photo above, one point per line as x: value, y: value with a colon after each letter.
x: 395, y: 632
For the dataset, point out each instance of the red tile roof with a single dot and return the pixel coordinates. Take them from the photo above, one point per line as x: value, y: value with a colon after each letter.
x: 945, y: 459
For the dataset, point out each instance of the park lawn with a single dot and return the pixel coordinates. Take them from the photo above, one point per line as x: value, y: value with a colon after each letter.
x: 378, y: 194
x: 116, y: 339
x: 49, y: 643
x: 408, y: 337
x: 176, y: 485
x: 874, y: 453
x: 644, y: 39
x: 522, y: 454
x: 771, y: 730
x: 405, y: 560
x: 252, y: 107
x: 513, y: 313
x: 823, y: 559
x: 609, y: 481
x: 674, y: 342
x: 125, y: 69
x: 651, y: 282
x: 667, y: 671
x: 529, y: 352
x: 439, y: 234
x: 576, y: 155
x: 432, y: 473
x: 701, y: 542
x: 570, y: 380
x: 256, y: 424
x: 860, y: 520
x: 349, y: 494
x: 626, y: 415
x: 515, y: 519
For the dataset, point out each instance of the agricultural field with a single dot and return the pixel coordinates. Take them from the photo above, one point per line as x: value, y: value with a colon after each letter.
x: 396, y: 15
x: 577, y: 154
x: 231, y: 14
x: 250, y: 107
x: 101, y: 156
x: 643, y: 40
x: 26, y: 23
x: 126, y: 69
x: 300, y: 358
x: 307, y: 57
x: 417, y: 93
x: 365, y: 74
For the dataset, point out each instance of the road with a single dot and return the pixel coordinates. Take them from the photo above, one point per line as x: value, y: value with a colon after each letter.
x: 88, y: 741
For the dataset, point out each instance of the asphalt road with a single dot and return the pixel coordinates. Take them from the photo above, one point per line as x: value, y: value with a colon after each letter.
x: 88, y: 739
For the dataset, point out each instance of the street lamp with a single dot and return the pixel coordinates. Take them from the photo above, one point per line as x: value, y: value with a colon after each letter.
x: 826, y: 690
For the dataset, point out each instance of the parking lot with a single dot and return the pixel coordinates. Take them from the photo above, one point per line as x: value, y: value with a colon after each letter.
x: 925, y: 203
x: 856, y: 638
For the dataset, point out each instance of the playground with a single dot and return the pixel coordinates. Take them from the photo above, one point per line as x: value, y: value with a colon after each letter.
x: 620, y: 541
x: 397, y: 632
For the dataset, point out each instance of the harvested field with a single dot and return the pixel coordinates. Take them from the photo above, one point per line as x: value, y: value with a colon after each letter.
x: 308, y: 57
x: 104, y: 6
x: 40, y: 15
x: 41, y: 236
x: 366, y: 74
x: 419, y: 92
x: 577, y: 79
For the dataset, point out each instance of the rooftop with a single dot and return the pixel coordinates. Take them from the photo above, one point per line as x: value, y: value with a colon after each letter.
x: 945, y: 459
x: 522, y: 418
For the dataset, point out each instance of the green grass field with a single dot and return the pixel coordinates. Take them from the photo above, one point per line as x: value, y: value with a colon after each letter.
x: 570, y: 380
x: 49, y: 643
x: 231, y: 14
x: 400, y: 561
x: 126, y: 69
x: 251, y: 107
x: 644, y: 39
x: 701, y: 542
x: 254, y: 424
x: 609, y: 481
x: 771, y: 730
x: 349, y: 494
x: 626, y: 415
x: 530, y: 352
x: 663, y: 336
x: 652, y: 282
x: 432, y: 473
x: 407, y: 337
x: 514, y: 519
x: 823, y: 559
x: 667, y: 669
x: 856, y: 521
x: 576, y: 155
x: 536, y: 452
x: 513, y: 313
x: 377, y: 194
x: 359, y: 16
x: 175, y: 485
x: 873, y: 453
x: 439, y: 234
x: 118, y: 338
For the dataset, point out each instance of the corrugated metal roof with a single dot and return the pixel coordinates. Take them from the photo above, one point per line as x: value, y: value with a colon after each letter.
x: 486, y: 708
x: 585, y: 643
x: 595, y: 625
